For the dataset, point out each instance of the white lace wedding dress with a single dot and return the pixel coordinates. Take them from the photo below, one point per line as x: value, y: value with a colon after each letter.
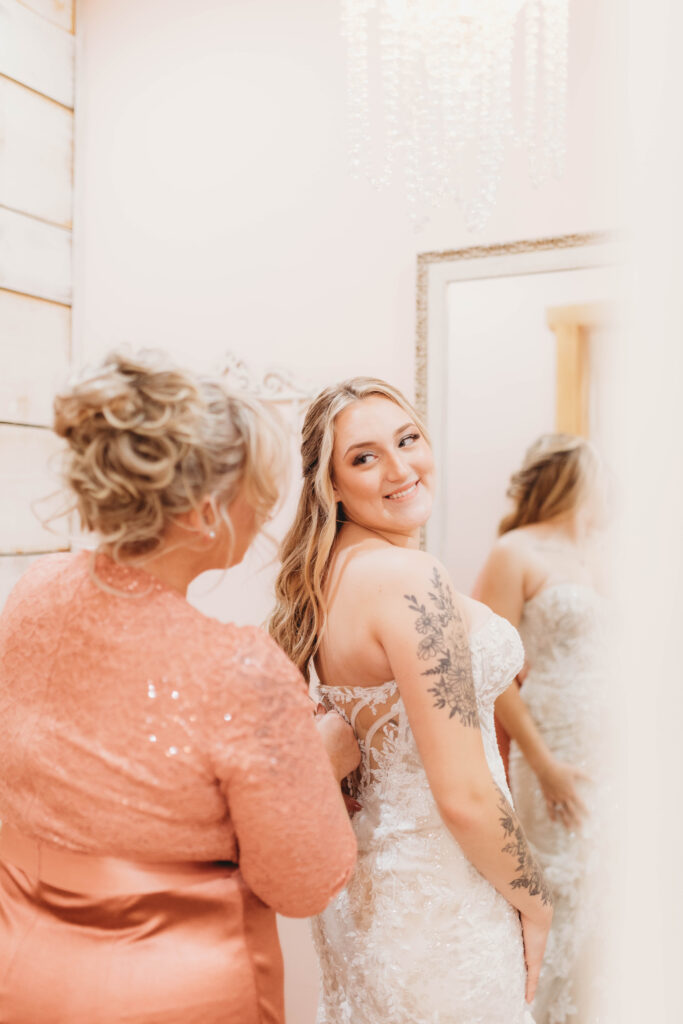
x: 419, y: 936
x: 565, y: 634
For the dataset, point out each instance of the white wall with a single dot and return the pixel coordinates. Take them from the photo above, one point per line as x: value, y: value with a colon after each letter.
x: 648, y: 705
x: 215, y: 211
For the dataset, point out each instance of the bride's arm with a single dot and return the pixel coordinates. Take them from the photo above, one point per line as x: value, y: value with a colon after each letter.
x: 418, y: 622
x: 501, y: 586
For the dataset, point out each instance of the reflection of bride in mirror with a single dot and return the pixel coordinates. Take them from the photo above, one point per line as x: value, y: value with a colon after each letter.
x: 544, y: 576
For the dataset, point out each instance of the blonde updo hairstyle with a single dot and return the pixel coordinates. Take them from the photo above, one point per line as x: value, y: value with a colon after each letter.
x: 148, y: 441
x: 556, y: 476
x: 298, y: 620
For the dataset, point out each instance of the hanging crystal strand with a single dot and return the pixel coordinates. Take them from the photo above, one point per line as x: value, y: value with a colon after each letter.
x: 501, y: 46
x: 451, y: 102
x: 447, y: 68
x: 430, y: 142
x: 355, y: 24
x: 504, y: 67
x: 549, y: 85
x: 493, y: 115
x: 413, y: 102
x: 469, y: 90
x: 476, y: 109
x: 557, y: 44
x: 389, y: 58
x: 477, y: 208
x: 531, y: 41
x: 431, y: 121
x: 500, y: 130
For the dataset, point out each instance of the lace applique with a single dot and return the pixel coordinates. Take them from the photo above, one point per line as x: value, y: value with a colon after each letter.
x: 501, y: 659
x: 418, y: 936
x: 373, y: 714
x: 566, y: 636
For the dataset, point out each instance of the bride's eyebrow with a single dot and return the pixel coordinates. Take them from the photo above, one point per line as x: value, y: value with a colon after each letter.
x: 369, y: 444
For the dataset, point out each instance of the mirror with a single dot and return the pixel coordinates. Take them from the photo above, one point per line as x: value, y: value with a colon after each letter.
x: 513, y: 341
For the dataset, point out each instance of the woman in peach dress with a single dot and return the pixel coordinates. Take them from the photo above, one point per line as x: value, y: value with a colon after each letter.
x: 151, y: 757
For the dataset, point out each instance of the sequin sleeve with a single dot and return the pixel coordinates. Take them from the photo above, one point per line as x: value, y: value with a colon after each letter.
x: 296, y: 845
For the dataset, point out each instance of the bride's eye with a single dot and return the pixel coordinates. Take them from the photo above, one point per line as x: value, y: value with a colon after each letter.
x: 362, y: 459
x: 408, y: 440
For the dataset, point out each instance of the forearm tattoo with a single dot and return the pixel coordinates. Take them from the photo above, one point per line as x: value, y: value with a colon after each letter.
x: 528, y: 873
x: 445, y: 639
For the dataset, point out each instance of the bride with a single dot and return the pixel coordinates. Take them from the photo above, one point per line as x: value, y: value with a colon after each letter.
x: 447, y: 903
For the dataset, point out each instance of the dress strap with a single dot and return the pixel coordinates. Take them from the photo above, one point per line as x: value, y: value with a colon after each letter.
x: 377, y: 725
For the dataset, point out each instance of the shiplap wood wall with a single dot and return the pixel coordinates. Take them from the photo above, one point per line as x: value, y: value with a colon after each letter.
x: 36, y: 201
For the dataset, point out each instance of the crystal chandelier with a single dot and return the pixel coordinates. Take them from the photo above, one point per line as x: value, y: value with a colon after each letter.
x: 437, y: 89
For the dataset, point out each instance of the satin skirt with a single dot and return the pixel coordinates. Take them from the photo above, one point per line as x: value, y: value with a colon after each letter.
x: 96, y: 940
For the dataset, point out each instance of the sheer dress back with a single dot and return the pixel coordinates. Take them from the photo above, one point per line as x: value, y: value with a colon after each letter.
x: 419, y: 936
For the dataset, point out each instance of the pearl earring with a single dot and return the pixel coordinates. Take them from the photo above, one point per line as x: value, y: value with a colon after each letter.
x: 212, y: 534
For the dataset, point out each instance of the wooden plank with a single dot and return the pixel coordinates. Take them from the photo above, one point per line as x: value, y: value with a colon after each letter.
x: 36, y: 344
x: 12, y: 568
x: 29, y: 470
x: 35, y: 258
x: 59, y: 12
x: 36, y: 53
x: 36, y: 154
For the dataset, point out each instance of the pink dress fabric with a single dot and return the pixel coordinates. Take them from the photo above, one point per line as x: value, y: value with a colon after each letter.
x: 140, y: 743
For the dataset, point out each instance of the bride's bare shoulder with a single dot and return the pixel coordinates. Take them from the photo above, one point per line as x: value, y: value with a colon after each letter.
x: 383, y: 569
x: 389, y: 586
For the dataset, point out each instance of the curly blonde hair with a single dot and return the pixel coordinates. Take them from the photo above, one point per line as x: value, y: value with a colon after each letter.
x: 555, y: 476
x: 148, y: 440
x: 298, y: 620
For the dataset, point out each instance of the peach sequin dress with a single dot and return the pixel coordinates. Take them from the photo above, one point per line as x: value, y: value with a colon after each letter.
x: 140, y: 743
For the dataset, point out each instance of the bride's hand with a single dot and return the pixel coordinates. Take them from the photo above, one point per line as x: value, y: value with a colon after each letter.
x: 339, y: 741
x: 558, y: 782
x: 535, y: 935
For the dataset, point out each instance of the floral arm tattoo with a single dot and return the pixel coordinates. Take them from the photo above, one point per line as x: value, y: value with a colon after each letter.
x: 528, y: 873
x: 445, y: 639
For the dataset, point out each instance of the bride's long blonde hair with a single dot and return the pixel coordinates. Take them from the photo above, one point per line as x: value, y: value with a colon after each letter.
x: 299, y: 617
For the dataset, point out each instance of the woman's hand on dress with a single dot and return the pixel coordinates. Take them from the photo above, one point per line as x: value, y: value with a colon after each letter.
x: 535, y: 935
x: 339, y: 741
x: 351, y: 804
x: 558, y: 782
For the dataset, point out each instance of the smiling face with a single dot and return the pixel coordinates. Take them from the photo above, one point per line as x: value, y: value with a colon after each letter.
x: 382, y: 469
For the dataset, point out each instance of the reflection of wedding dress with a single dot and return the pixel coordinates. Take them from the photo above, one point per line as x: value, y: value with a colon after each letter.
x: 419, y: 936
x: 564, y: 633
